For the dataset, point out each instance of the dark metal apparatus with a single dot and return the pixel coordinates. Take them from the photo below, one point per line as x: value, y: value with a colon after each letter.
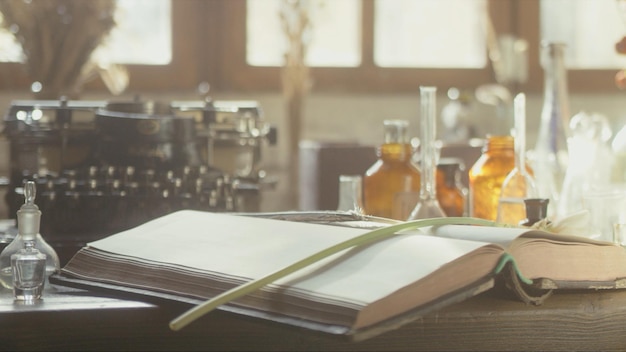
x: 102, y: 167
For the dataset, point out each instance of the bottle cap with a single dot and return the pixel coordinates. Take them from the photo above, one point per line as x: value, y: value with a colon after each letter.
x: 29, y: 215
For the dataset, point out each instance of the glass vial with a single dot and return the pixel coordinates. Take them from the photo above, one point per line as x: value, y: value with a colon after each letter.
x: 550, y: 156
x: 487, y: 175
x: 391, y: 185
x: 350, y: 194
x: 428, y: 205
x: 29, y: 272
x: 519, y: 184
x: 451, y: 193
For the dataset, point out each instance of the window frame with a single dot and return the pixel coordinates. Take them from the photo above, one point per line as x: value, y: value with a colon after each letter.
x: 209, y: 46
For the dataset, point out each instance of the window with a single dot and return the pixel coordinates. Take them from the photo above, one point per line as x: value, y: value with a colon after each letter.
x: 379, y: 49
x: 142, y: 35
x: 333, y: 37
x: 590, y: 28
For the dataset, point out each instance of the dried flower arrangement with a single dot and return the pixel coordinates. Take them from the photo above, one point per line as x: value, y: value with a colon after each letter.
x: 295, y: 76
x: 58, y: 38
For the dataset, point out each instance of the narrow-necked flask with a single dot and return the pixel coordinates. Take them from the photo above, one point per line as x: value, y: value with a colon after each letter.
x: 391, y: 185
x: 550, y: 155
x: 428, y: 204
x: 519, y: 184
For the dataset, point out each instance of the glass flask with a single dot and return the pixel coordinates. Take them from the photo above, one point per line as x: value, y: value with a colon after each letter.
x: 550, y: 155
x: 487, y: 175
x: 428, y: 205
x: 28, y: 221
x: 350, y: 193
x: 391, y: 185
x: 451, y: 193
x: 519, y: 184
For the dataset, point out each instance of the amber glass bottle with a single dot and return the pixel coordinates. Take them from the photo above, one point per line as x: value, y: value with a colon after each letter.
x: 451, y: 194
x: 391, y: 186
x: 488, y: 174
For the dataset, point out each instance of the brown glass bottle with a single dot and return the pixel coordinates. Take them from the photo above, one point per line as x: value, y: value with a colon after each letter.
x: 488, y: 174
x: 391, y: 186
x: 451, y: 194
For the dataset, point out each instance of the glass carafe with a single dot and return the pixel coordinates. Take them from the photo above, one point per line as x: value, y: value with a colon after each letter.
x: 519, y: 184
x: 428, y: 205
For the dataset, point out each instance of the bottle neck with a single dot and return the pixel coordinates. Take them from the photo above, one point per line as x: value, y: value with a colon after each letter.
x: 498, y: 143
x: 29, y: 244
x: 395, y: 152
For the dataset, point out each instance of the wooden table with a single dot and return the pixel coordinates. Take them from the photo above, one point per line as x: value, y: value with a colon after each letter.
x: 70, y: 319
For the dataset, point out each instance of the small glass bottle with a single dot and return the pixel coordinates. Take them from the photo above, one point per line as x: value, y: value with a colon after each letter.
x: 487, y: 175
x: 29, y: 271
x: 451, y: 193
x: 391, y: 185
x: 350, y: 194
x: 428, y: 204
x: 28, y: 222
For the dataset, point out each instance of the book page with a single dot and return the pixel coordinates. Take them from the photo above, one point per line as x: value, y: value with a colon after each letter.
x: 251, y: 248
x: 498, y: 235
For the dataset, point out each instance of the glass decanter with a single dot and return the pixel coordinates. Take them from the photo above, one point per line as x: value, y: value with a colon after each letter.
x: 28, y: 221
x: 519, y: 184
x: 428, y: 205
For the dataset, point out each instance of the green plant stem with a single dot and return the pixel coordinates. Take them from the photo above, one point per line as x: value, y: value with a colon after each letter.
x: 366, y: 238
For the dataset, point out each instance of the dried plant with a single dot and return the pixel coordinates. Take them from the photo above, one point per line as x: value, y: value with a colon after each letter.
x: 58, y: 38
x: 296, y: 79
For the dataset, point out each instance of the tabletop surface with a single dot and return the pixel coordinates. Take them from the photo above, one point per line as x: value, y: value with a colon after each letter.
x: 70, y: 319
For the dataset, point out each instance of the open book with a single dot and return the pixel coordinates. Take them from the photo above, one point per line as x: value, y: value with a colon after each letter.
x: 191, y: 256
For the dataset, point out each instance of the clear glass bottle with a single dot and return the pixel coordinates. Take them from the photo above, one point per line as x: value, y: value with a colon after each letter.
x: 350, y: 193
x: 391, y: 185
x: 487, y: 175
x: 28, y: 221
x: 550, y: 155
x: 428, y: 204
x: 519, y: 184
x: 451, y: 193
x: 29, y: 271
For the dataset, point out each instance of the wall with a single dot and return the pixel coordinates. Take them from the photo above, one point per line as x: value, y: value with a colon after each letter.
x: 354, y: 118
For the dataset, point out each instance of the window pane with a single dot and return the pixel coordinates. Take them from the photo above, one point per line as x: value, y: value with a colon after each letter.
x: 334, y: 38
x: 430, y: 33
x: 143, y: 35
x: 590, y: 28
